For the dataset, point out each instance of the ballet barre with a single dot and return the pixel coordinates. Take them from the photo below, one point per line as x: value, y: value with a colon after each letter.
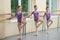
x: 5, y: 14
x: 3, y: 19
x: 13, y: 15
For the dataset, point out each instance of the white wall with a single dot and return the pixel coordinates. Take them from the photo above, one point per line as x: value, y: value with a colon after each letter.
x: 58, y: 8
x: 5, y: 6
x: 2, y: 29
x: 58, y: 4
x: 1, y: 5
x: 10, y: 28
x: 41, y: 4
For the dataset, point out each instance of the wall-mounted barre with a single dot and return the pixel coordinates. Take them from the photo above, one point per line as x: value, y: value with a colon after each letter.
x: 26, y: 13
x: 30, y: 12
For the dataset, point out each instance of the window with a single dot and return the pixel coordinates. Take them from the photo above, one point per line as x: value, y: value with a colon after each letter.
x: 24, y: 4
x: 47, y: 3
x: 14, y: 4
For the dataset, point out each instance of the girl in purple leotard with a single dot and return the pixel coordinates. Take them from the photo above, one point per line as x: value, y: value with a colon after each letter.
x: 20, y: 17
x: 36, y: 18
x: 47, y: 14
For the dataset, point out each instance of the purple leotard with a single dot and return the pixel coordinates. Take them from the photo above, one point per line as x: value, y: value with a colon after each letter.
x: 35, y: 15
x: 19, y: 16
x: 47, y: 15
